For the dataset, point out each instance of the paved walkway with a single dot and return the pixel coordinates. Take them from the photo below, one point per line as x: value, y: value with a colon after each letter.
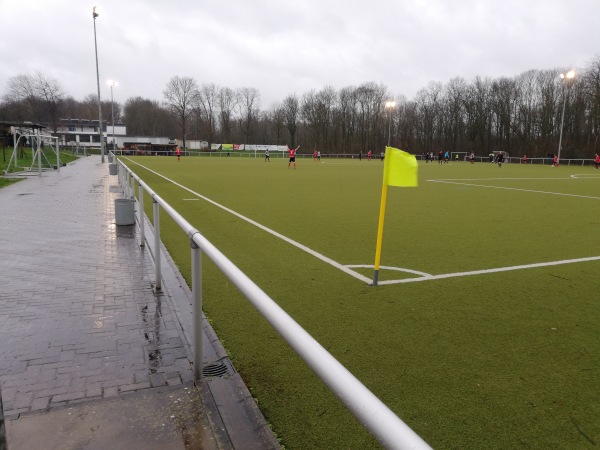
x: 83, y: 335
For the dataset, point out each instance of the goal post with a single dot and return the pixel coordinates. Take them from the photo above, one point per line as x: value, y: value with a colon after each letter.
x: 456, y: 156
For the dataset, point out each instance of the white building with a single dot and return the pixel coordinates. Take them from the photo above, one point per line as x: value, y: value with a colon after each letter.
x: 85, y: 132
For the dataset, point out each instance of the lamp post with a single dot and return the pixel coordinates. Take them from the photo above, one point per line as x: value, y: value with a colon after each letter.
x: 94, y: 15
x: 390, y: 105
x: 565, y: 77
x: 112, y: 84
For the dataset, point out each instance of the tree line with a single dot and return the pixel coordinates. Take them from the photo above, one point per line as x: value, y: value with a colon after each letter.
x: 521, y: 114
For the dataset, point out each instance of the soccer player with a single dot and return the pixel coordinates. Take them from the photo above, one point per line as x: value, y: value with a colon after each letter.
x: 369, y: 155
x: 315, y: 156
x: 267, y: 158
x: 292, y: 152
x: 500, y: 158
x: 597, y: 161
x: 524, y: 159
x: 178, y: 153
x: 555, y: 161
x: 319, y: 155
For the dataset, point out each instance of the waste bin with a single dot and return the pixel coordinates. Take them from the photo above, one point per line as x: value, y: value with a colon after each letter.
x: 112, y: 169
x: 124, y: 211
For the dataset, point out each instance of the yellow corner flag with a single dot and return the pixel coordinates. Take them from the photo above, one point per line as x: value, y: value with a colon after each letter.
x: 399, y: 169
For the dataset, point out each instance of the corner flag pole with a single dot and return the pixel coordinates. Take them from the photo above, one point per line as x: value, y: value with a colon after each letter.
x: 380, y: 233
x: 399, y: 169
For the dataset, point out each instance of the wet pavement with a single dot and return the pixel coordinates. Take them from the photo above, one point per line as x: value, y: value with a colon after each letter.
x: 90, y: 354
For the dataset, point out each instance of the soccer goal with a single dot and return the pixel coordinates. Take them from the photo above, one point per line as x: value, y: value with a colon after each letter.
x: 38, y: 142
x: 459, y: 156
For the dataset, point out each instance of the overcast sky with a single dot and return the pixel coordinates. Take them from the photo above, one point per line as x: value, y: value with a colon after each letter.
x: 283, y: 47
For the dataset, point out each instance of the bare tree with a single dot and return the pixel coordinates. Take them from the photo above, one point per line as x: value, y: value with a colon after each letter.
x: 291, y: 109
x: 248, y: 109
x: 278, y: 123
x: 181, y: 94
x: 591, y: 80
x: 226, y: 102
x: 207, y: 103
x: 146, y: 117
x: 21, y: 88
x: 51, y: 93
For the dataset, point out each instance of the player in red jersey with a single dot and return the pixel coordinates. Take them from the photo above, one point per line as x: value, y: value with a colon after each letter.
x: 597, y: 161
x: 292, y: 152
x: 369, y: 155
x: 315, y: 156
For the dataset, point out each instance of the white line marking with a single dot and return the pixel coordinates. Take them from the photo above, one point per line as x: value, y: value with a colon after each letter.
x: 486, y: 271
x: 397, y: 269
x: 264, y: 228
x: 515, y: 189
x: 347, y: 269
x: 586, y: 176
x: 498, y: 179
x: 190, y: 199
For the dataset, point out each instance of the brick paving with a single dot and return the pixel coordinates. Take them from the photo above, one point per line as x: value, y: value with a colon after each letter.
x: 79, y: 318
x: 78, y: 315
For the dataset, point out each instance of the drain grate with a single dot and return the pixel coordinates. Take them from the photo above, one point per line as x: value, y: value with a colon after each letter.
x: 217, y: 369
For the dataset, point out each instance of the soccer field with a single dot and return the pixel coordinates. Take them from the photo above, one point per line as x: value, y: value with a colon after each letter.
x: 484, y: 331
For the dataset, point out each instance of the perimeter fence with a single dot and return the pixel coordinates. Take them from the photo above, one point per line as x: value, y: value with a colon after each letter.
x: 326, y: 156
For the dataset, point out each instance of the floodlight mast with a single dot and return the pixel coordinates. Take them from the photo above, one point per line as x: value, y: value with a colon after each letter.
x: 94, y: 15
x: 112, y: 83
x: 566, y: 80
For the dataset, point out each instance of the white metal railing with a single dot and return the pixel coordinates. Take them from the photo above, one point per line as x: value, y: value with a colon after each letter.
x: 519, y: 160
x: 379, y: 420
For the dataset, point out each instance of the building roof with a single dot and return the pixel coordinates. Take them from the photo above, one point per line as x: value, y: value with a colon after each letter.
x: 33, y: 126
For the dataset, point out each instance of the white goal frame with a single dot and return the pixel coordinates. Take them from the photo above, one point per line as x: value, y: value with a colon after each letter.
x: 37, y: 140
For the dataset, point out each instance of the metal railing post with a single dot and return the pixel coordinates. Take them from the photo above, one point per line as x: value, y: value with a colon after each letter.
x: 197, y: 306
x: 157, y: 272
x: 141, y: 216
x: 129, y: 192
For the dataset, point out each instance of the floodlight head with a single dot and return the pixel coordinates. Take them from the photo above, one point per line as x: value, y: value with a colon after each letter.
x: 569, y: 75
x: 94, y: 13
x: 390, y: 104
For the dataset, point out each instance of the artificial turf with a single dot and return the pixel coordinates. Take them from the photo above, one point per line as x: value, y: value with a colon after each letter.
x: 497, y: 360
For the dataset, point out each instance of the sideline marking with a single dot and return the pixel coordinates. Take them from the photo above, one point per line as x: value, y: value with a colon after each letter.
x: 514, y: 189
x: 486, y: 271
x: 500, y: 179
x: 264, y: 228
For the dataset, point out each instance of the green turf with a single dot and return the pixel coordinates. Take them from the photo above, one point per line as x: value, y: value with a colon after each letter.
x: 24, y: 160
x: 499, y: 360
x: 6, y: 181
